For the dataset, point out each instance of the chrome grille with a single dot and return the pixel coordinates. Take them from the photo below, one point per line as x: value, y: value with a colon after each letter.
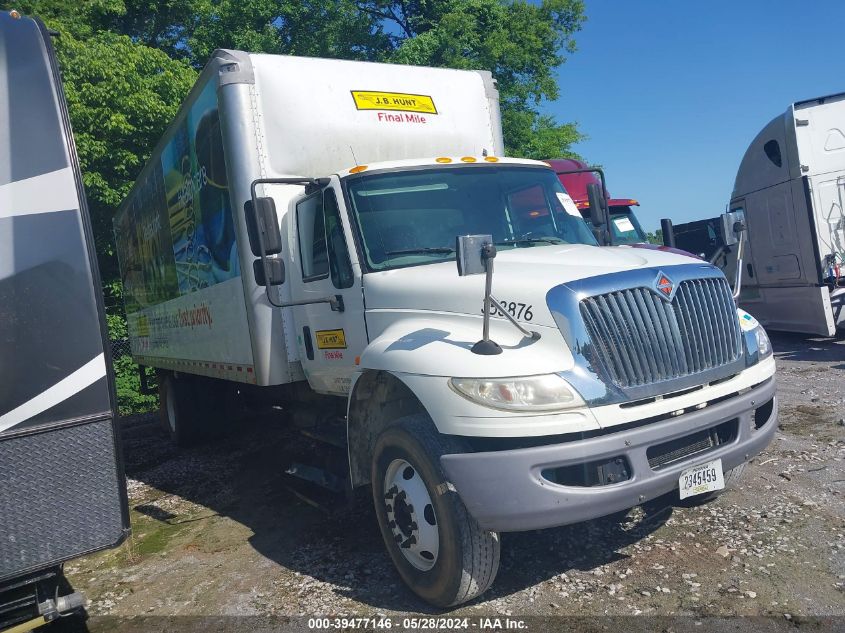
x: 643, y: 339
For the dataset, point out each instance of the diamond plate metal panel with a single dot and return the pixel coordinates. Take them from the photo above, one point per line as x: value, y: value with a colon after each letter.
x: 59, y: 496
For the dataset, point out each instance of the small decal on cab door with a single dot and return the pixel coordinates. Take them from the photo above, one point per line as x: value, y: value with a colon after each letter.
x: 330, y: 339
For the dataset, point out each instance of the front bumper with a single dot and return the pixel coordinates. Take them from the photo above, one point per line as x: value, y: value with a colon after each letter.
x: 506, y: 491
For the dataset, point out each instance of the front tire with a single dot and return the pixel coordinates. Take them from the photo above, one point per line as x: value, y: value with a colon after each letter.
x: 438, y: 549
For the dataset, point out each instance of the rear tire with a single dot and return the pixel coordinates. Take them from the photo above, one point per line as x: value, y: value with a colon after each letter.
x: 732, y: 478
x: 447, y: 559
x: 177, y: 414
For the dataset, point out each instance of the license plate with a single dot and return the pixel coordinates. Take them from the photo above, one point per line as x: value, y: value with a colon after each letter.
x: 700, y: 479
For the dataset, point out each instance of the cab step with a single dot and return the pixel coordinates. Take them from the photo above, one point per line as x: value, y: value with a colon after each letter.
x: 331, y: 435
x: 318, y: 476
x: 318, y: 488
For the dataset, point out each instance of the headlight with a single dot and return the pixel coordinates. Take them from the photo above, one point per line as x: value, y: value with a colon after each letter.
x: 757, y: 344
x: 527, y: 394
x: 764, y: 346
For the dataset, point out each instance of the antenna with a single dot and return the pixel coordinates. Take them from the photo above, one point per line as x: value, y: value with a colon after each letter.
x: 353, y: 155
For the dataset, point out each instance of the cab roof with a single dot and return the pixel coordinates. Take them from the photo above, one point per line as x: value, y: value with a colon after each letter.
x: 439, y: 161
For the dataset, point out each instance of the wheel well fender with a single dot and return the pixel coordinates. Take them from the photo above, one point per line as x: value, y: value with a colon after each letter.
x: 378, y: 399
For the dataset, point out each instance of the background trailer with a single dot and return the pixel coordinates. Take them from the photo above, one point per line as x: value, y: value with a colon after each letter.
x: 62, y: 491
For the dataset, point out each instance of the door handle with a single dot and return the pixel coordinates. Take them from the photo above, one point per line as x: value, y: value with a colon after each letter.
x: 309, y: 345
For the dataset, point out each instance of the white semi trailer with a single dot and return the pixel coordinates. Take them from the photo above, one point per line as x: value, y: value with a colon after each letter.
x: 791, y: 187
x: 294, y: 239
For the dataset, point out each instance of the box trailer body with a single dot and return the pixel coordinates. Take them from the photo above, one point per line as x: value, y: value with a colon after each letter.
x: 62, y: 492
x: 791, y: 187
x: 352, y: 189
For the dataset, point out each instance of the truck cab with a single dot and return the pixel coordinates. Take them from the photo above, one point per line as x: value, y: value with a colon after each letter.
x: 626, y: 370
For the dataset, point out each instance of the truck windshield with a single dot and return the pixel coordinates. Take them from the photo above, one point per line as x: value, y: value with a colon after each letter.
x: 625, y: 226
x: 412, y: 217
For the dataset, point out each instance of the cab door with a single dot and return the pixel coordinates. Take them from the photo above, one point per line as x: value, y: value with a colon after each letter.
x: 328, y: 339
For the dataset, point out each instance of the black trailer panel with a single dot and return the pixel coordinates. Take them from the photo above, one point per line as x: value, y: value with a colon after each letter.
x: 62, y: 491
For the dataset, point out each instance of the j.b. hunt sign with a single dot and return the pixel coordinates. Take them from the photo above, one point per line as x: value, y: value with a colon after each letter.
x: 409, y: 108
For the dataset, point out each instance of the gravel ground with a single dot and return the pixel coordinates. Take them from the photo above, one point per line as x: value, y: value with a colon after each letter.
x: 216, y: 532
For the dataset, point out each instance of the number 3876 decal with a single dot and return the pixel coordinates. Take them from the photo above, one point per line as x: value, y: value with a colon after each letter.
x: 517, y: 310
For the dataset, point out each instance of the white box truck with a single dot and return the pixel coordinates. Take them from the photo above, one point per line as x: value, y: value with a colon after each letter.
x: 791, y: 187
x: 294, y: 238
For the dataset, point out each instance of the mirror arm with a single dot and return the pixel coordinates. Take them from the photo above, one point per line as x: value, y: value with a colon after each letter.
x: 534, y: 336
x: 335, y: 302
x: 738, y: 272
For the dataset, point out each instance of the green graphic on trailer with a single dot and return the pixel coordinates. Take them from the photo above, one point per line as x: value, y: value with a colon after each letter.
x: 200, y: 217
x: 144, y: 246
x: 177, y: 233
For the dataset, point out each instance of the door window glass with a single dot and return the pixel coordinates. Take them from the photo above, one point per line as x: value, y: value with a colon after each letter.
x: 312, y: 238
x: 339, y: 264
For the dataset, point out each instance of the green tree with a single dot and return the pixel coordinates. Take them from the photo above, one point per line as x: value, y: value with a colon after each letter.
x: 121, y: 96
x: 655, y: 237
x: 522, y: 43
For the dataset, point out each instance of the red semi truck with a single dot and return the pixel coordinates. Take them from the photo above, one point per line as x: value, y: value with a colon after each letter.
x: 575, y: 175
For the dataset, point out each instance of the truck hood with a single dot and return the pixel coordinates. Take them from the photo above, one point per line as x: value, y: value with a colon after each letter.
x: 522, y: 278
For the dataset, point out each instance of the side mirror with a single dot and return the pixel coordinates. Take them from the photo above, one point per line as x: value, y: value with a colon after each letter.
x: 262, y: 218
x: 468, y: 249
x: 598, y: 204
x: 275, y: 270
x: 668, y: 232
x: 733, y: 224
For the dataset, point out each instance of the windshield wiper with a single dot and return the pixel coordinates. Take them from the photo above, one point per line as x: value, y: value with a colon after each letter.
x: 424, y: 250
x: 517, y: 241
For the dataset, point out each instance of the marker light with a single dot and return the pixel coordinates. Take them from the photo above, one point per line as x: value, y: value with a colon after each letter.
x: 443, y: 159
x: 528, y: 394
x: 491, y: 159
x: 358, y: 169
x: 468, y: 159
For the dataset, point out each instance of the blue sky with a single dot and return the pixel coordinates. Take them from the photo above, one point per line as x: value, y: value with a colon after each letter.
x: 670, y: 93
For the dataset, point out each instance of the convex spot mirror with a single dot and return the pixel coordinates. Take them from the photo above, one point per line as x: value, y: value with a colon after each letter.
x: 262, y: 219
x: 468, y: 249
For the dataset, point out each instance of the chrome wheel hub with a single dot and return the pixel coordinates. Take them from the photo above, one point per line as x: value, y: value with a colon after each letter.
x: 410, y: 515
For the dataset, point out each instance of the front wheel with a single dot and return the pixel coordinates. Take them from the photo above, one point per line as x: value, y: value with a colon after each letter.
x: 438, y: 548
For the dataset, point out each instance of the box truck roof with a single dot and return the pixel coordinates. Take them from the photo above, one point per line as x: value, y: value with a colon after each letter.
x: 319, y: 116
